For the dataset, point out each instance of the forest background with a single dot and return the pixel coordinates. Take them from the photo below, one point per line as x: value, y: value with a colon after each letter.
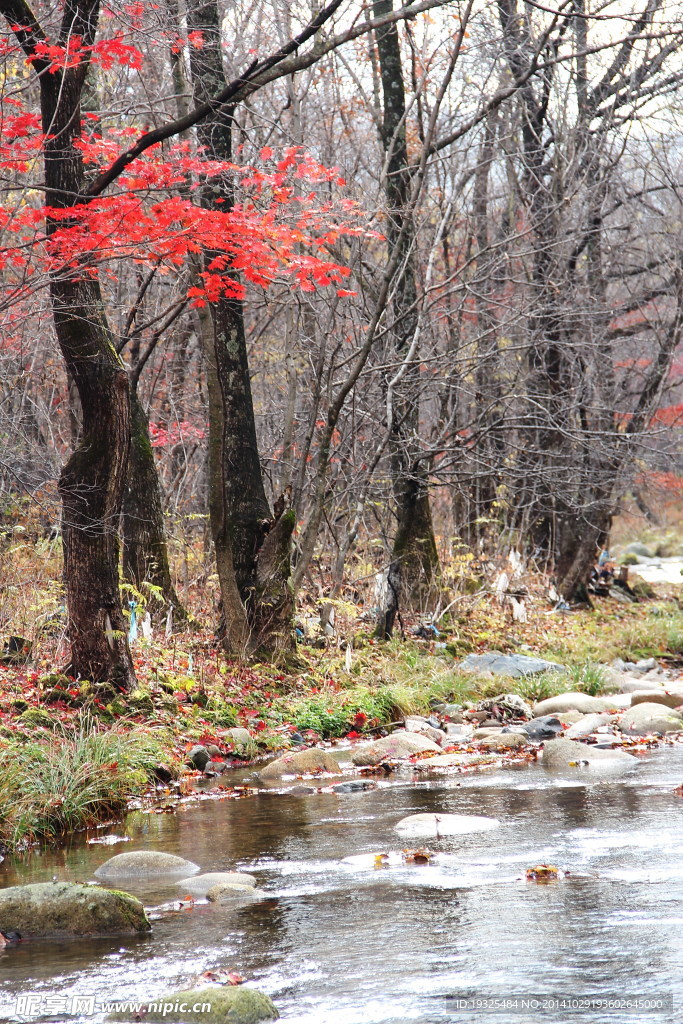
x: 312, y: 315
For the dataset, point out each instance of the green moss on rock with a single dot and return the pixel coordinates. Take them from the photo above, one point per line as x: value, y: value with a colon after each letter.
x: 234, y: 1005
x: 34, y: 717
x: 56, y: 909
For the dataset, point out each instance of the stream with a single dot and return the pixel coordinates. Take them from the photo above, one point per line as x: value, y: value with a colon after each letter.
x: 338, y: 942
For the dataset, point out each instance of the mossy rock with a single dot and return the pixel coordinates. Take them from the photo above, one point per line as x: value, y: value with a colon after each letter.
x: 20, y: 705
x: 56, y: 679
x: 34, y: 717
x: 57, y: 695
x: 233, y: 1005
x: 140, y: 700
x: 629, y: 559
x: 58, y: 909
x: 642, y: 589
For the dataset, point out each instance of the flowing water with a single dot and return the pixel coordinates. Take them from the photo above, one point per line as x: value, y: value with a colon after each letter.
x: 339, y: 942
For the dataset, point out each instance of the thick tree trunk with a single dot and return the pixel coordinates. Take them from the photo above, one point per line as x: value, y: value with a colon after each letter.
x: 579, y: 542
x: 145, y: 553
x: 91, y: 487
x: 91, y: 483
x: 415, y: 563
x: 253, y: 546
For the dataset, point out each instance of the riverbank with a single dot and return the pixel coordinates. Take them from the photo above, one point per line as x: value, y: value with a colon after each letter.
x: 74, y: 755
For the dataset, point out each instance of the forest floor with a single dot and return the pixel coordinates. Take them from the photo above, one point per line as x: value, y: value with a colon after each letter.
x: 72, y: 755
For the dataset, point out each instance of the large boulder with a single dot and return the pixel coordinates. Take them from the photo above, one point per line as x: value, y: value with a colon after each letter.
x: 670, y: 698
x: 436, y: 825
x: 573, y: 701
x: 565, y: 753
x: 57, y: 909
x: 587, y: 725
x: 228, y: 1005
x: 650, y: 717
x: 544, y: 728
x: 199, y: 885
x: 144, y: 864
x: 391, y: 748
x: 515, y: 665
x: 300, y: 762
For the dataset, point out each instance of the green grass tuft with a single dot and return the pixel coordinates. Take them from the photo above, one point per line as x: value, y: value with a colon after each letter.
x: 71, y: 780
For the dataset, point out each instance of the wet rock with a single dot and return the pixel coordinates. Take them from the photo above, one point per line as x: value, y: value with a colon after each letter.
x: 353, y: 786
x: 505, y: 741
x: 565, y: 753
x: 586, y: 726
x: 454, y: 760
x: 422, y: 728
x: 544, y: 728
x: 671, y: 699
x: 226, y: 893
x: 650, y: 717
x: 199, y: 757
x: 514, y: 665
x: 54, y: 909
x: 444, y: 824
x: 228, y: 1005
x: 300, y: 762
x: 199, y: 885
x: 145, y: 864
x: 215, y: 768
x: 398, y: 745
x: 573, y: 701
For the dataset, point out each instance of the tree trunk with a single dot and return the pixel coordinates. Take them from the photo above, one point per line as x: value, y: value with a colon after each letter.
x: 145, y: 553
x: 578, y: 544
x: 253, y: 546
x: 415, y: 562
x: 91, y: 483
x: 91, y: 487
